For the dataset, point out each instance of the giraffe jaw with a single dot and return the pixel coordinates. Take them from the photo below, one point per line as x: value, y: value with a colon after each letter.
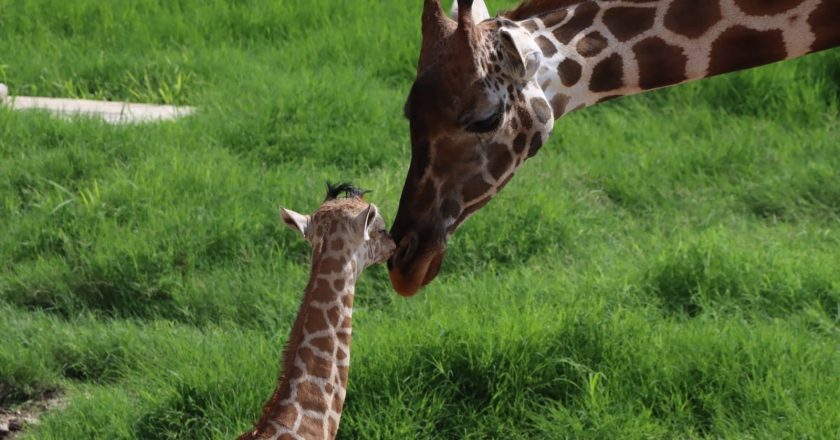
x: 422, y: 272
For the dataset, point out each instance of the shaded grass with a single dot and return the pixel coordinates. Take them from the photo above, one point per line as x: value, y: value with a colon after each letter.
x: 665, y: 268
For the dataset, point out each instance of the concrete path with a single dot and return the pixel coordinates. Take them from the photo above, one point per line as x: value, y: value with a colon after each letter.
x: 111, y: 112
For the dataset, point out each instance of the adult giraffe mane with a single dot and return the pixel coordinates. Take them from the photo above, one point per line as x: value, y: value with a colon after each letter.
x: 530, y: 8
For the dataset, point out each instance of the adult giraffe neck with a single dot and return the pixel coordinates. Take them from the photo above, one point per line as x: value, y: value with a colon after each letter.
x: 598, y: 50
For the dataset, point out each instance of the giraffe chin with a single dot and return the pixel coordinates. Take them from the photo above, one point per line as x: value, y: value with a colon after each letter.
x: 422, y: 273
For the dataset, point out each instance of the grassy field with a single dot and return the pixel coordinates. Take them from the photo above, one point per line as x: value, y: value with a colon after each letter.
x: 667, y: 267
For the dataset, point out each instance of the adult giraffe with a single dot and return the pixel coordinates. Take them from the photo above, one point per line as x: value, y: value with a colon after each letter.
x: 488, y: 90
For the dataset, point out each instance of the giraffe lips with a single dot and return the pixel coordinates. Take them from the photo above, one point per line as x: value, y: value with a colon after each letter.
x: 422, y: 272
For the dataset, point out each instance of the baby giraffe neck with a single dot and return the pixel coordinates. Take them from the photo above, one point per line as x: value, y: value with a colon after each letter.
x: 309, y: 397
x: 599, y: 50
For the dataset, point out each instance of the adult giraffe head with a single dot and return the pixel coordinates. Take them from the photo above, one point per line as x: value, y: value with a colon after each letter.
x: 476, y: 113
x: 488, y: 90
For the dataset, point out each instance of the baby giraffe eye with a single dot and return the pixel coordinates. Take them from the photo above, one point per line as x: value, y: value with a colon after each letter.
x: 488, y: 124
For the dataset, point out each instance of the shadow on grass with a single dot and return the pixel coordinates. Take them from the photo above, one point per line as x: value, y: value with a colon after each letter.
x: 721, y: 277
x: 185, y: 414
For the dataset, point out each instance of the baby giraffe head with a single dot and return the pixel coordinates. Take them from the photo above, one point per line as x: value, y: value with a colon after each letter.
x: 347, y: 228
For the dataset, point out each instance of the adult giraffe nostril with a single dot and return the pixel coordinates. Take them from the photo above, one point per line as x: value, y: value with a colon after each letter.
x: 406, y: 249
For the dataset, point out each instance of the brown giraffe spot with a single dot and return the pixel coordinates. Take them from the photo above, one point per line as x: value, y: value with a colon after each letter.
x: 325, y: 344
x: 524, y: 117
x: 343, y: 373
x: 741, y: 48
x: 344, y: 337
x: 333, y: 427
x: 338, y: 284
x: 338, y: 244
x: 322, y: 291
x: 553, y: 18
x: 536, y: 144
x: 500, y: 160
x: 338, y: 405
x: 347, y: 300
x: 608, y: 74
x: 558, y: 104
x: 825, y: 24
x: 541, y: 110
x: 340, y: 354
x: 475, y: 188
x: 334, y: 316
x: 627, y: 22
x: 347, y: 324
x: 329, y: 265
x: 311, y: 427
x: 547, y: 82
x: 286, y: 418
x: 315, y: 321
x: 293, y: 373
x: 608, y: 98
x: 530, y: 25
x: 519, y: 143
x: 692, y: 18
x: 547, y: 47
x: 583, y: 18
x: 767, y: 7
x: 660, y: 64
x: 592, y: 44
x: 569, y: 71
x: 315, y: 366
x: 266, y: 431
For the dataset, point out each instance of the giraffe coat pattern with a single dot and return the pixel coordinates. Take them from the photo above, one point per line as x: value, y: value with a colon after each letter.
x: 347, y: 235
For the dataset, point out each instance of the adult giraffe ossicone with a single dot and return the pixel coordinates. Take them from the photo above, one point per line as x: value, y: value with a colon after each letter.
x: 487, y: 92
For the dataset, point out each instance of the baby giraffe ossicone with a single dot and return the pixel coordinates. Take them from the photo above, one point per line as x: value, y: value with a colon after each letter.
x: 347, y: 235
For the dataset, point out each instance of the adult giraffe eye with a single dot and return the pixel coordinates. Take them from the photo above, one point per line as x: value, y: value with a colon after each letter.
x: 486, y: 125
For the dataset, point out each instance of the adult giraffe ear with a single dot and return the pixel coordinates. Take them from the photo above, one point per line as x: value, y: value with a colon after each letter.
x: 364, y: 221
x: 298, y: 222
x: 479, y: 11
x: 522, y: 52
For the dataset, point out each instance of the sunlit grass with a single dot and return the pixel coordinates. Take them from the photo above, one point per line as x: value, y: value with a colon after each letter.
x: 665, y: 268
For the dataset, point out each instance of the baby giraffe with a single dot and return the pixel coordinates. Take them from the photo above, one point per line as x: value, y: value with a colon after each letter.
x: 347, y: 235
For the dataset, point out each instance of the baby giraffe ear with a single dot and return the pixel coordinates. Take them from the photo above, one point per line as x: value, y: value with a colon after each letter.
x: 524, y: 54
x: 295, y: 221
x: 364, y: 221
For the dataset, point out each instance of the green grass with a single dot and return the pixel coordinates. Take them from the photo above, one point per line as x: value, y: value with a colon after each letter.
x: 667, y: 267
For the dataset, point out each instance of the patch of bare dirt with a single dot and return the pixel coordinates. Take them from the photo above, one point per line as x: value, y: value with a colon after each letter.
x: 13, y: 422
